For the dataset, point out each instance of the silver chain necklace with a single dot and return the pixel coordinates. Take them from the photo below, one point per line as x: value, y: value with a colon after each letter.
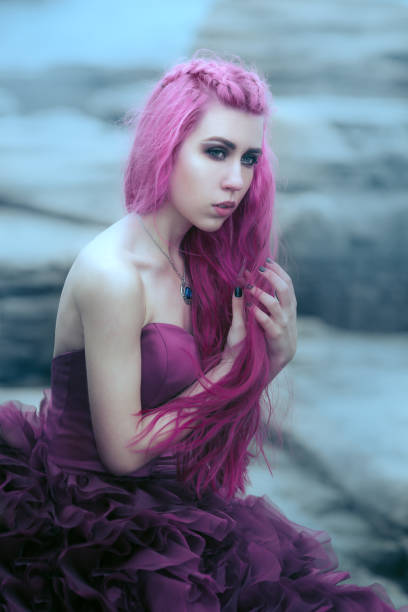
x: 185, y: 290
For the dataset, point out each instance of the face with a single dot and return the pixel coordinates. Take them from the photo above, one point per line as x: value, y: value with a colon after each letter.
x: 215, y: 164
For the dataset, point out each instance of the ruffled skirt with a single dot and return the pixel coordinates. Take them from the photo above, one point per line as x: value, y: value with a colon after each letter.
x: 75, y: 540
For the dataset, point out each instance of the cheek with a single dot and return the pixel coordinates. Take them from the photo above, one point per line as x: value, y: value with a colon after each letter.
x: 187, y: 170
x: 183, y: 183
x: 194, y: 174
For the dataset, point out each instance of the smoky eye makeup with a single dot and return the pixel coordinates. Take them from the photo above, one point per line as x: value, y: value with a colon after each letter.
x: 216, y: 152
x: 252, y: 157
x: 219, y: 153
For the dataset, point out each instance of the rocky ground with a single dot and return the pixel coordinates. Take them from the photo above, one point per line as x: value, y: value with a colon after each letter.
x: 344, y: 461
x: 338, y: 72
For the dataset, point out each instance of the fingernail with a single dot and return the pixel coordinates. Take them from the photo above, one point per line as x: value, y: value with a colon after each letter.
x: 238, y: 292
x: 269, y: 260
x: 248, y: 304
x: 261, y: 269
x: 249, y: 286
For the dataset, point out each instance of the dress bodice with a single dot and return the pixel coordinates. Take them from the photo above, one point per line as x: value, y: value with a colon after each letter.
x: 169, y: 361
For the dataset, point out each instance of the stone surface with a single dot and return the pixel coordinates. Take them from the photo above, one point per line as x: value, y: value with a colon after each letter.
x: 30, y: 286
x: 343, y: 47
x: 71, y: 164
x: 343, y: 465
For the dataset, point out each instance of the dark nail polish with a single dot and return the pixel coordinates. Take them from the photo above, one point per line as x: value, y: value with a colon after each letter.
x: 238, y: 292
x: 269, y: 260
x: 248, y: 304
x: 249, y: 286
x: 261, y: 269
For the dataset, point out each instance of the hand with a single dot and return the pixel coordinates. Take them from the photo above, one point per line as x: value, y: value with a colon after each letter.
x: 279, y: 324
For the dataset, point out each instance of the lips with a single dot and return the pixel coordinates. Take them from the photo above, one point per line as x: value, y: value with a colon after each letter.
x: 223, y: 211
x: 227, y: 204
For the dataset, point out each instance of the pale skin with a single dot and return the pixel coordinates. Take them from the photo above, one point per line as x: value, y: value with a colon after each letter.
x: 121, y: 281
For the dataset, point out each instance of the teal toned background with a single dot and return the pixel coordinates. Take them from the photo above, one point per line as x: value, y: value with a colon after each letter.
x: 69, y: 70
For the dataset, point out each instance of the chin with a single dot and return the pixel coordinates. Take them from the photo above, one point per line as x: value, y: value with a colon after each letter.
x: 211, y: 226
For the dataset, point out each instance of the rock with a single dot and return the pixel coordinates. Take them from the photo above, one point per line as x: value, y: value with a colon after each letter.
x: 342, y: 47
x: 342, y: 467
x: 348, y: 268
x: 103, y: 92
x: 71, y: 165
x: 30, y: 287
x: 8, y: 102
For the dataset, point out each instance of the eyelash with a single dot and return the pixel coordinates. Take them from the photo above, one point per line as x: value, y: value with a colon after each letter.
x: 214, y: 150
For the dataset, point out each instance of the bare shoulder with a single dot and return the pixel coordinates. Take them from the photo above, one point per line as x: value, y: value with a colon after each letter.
x: 101, y: 274
x: 103, y: 268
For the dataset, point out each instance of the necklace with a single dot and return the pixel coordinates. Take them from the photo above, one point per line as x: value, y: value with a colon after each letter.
x: 185, y: 290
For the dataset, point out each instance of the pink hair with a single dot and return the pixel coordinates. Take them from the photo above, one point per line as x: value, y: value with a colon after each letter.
x: 216, y: 452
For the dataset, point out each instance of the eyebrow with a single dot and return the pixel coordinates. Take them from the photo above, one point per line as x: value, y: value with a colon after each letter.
x: 231, y: 145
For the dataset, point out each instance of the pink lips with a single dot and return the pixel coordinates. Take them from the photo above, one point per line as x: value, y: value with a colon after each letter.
x: 229, y: 203
x: 223, y: 212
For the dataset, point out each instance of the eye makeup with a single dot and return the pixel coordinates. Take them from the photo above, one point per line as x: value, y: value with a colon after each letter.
x: 250, y: 157
x: 231, y: 145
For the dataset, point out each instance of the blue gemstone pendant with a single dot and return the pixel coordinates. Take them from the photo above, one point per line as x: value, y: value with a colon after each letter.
x: 186, y: 293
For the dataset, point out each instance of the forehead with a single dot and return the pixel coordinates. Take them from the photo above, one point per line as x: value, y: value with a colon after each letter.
x: 244, y: 129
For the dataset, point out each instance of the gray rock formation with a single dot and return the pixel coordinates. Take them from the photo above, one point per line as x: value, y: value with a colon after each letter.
x: 343, y: 465
x: 36, y: 251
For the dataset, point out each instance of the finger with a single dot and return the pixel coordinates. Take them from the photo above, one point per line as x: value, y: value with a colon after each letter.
x: 284, y: 290
x: 238, y: 316
x: 271, y: 267
x: 270, y: 302
x: 279, y: 270
x: 271, y: 328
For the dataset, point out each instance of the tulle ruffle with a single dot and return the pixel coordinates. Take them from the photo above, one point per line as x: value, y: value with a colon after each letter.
x: 77, y: 540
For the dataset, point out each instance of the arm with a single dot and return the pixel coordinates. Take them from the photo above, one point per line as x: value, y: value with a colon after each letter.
x: 111, y: 302
x: 110, y: 299
x: 166, y: 424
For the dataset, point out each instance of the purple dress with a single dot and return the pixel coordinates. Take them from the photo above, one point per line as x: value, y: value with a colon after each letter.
x: 74, y: 537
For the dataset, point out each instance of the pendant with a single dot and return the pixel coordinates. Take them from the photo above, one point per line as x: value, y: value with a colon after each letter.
x: 186, y: 292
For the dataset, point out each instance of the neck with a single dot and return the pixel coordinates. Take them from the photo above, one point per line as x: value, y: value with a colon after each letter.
x: 167, y: 227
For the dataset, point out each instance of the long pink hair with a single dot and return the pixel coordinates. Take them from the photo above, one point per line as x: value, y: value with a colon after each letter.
x: 229, y: 412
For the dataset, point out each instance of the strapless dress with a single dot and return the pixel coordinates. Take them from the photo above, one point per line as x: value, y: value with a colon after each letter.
x: 74, y: 537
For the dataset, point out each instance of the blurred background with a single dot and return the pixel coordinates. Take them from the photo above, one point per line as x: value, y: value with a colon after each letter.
x: 69, y: 71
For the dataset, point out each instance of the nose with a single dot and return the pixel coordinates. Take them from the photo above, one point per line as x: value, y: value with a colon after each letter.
x: 233, y: 180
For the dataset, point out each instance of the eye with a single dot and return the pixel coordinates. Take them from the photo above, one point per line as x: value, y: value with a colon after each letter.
x: 216, y: 153
x: 250, y: 160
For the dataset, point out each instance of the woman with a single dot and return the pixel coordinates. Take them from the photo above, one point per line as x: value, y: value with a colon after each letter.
x: 123, y: 492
